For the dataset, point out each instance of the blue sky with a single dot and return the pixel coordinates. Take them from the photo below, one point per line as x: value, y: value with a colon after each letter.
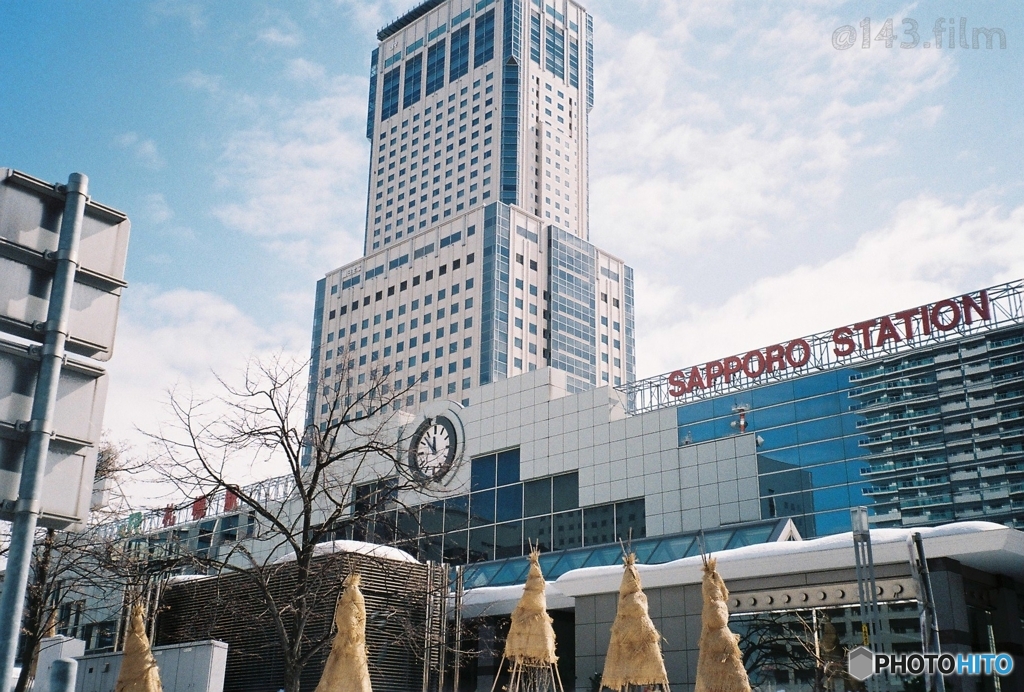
x: 762, y: 183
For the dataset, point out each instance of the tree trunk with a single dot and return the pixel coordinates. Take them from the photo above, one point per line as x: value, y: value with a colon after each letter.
x: 292, y: 678
x: 35, y: 614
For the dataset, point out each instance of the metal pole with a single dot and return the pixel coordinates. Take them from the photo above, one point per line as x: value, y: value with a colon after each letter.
x: 459, y: 571
x: 63, y: 675
x: 930, y: 629
x: 867, y: 590
x: 40, y: 427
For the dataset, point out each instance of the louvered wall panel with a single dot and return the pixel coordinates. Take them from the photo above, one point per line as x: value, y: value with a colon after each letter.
x: 230, y: 609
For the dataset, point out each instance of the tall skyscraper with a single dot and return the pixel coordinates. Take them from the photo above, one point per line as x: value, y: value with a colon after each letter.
x: 477, y: 263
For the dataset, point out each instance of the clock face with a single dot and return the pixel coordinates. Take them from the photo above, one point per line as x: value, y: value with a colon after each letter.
x: 432, y: 448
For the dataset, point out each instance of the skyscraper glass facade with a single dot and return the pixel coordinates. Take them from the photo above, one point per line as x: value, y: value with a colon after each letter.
x: 927, y: 437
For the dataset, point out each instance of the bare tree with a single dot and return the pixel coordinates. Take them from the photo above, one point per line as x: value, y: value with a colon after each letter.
x: 342, y: 478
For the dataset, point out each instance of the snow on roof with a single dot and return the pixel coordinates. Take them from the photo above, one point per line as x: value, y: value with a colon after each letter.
x: 386, y: 552
x: 984, y: 545
x: 502, y: 600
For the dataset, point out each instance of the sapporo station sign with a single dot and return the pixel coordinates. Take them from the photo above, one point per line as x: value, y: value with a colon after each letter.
x: 878, y: 337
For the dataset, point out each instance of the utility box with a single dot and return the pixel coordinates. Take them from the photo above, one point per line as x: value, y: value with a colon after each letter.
x: 53, y: 649
x: 190, y: 667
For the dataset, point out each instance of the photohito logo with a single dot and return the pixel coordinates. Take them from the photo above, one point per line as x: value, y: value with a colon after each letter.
x: 863, y: 663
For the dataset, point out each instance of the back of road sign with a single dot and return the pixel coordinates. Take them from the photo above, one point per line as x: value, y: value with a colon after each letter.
x: 31, y: 212
x: 30, y: 216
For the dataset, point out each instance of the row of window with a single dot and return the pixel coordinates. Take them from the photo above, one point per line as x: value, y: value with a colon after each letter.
x: 402, y: 286
x: 458, y: 55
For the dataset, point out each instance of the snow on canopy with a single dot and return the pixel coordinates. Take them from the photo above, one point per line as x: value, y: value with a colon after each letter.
x: 385, y: 552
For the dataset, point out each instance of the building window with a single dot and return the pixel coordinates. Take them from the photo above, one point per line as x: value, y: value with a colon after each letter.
x: 459, y: 59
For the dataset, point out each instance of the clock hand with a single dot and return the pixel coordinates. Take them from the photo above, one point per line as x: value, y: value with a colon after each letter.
x: 432, y: 443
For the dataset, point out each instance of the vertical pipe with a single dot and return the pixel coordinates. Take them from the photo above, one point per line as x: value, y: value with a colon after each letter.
x: 40, y: 426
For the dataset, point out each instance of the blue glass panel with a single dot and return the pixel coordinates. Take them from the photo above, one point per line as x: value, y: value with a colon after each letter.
x: 849, y: 421
x: 537, y: 497
x: 565, y: 491
x: 821, y: 429
x: 772, y: 394
x: 773, y: 416
x: 817, y: 407
x: 483, y: 40
x: 601, y: 557
x: 555, y: 50
x: 821, y: 452
x: 390, y: 92
x: 537, y: 533
x: 750, y: 536
x: 459, y: 54
x: 671, y: 549
x: 511, y: 572
x: 852, y: 449
x: 508, y: 466
x: 481, y: 507
x: 713, y: 542
x: 483, y: 472
x: 570, y: 561
x: 724, y: 405
x: 480, y: 575
x: 832, y: 498
x: 413, y: 80
x: 455, y: 547
x: 644, y: 548
x: 508, y: 539
x: 778, y: 437
x: 566, y: 530
x: 830, y: 523
x: 547, y: 562
x: 815, y: 384
x: 435, y: 67
x: 481, y: 544
x: 510, y: 502
x: 697, y: 432
x: 456, y: 513
x: 371, y: 107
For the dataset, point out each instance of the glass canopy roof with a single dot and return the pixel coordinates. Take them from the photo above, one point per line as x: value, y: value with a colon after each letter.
x: 649, y: 551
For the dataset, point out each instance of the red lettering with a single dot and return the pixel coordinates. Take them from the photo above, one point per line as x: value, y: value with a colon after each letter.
x: 843, y: 339
x: 713, y: 371
x: 732, y: 366
x: 805, y: 352
x: 865, y: 333
x: 983, y: 310
x: 750, y: 371
x: 695, y: 380
x: 887, y: 332
x: 954, y: 319
x: 926, y: 321
x: 676, y: 383
x: 776, y: 355
x: 908, y: 322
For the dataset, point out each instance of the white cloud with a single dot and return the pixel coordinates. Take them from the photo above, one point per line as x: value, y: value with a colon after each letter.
x: 280, y: 30
x: 144, y: 150
x: 928, y: 250
x: 156, y: 209
x: 182, y: 340
x: 303, y: 70
x: 710, y: 127
x: 201, y: 81
x: 298, y: 177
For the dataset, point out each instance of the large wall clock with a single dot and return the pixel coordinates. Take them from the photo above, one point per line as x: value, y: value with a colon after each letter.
x: 432, y: 447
